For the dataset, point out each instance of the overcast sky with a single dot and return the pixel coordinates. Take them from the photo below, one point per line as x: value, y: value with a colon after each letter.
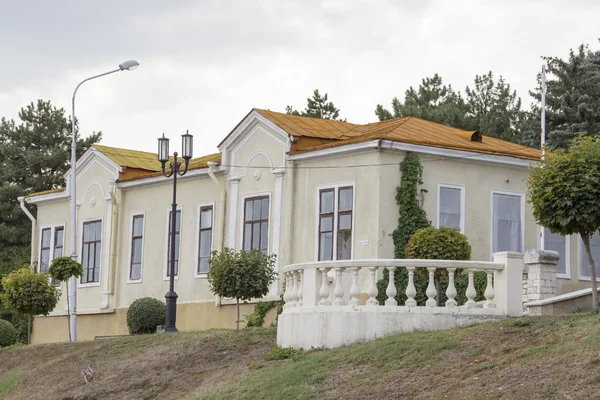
x: 205, y: 64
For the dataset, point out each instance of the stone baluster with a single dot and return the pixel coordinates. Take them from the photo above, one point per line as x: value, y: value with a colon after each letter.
x: 338, y: 290
x: 300, y: 294
x: 489, y: 292
x: 286, y: 293
x: 293, y: 289
x: 451, y: 291
x: 354, y: 289
x: 411, y: 290
x: 471, y: 293
x: 391, y: 289
x: 431, y: 292
x: 324, y: 291
x: 372, y: 287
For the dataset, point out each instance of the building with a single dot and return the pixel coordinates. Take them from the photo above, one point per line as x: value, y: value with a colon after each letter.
x: 304, y: 189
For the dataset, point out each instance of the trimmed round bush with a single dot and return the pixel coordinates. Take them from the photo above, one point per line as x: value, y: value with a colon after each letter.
x: 8, y: 334
x: 145, y: 314
x: 438, y: 244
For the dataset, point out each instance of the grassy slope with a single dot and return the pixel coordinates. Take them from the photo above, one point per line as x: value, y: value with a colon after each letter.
x: 534, y: 358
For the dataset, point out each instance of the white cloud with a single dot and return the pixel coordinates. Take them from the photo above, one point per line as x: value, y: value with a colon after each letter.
x: 204, y: 65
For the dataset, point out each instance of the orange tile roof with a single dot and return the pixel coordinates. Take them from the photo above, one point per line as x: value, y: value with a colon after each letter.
x: 58, y: 190
x: 314, y: 134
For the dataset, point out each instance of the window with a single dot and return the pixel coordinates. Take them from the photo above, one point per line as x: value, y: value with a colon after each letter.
x: 335, y: 223
x: 507, y: 224
x: 137, y: 241
x: 59, y: 242
x: 558, y: 243
x: 51, y: 246
x: 177, y: 238
x: 45, y: 249
x: 584, y: 266
x: 90, y: 254
x: 204, y: 238
x: 256, y: 224
x: 451, y: 207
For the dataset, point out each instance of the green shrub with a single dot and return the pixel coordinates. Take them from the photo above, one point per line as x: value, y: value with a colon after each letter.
x: 19, y: 321
x: 145, y: 314
x: 8, y: 334
x: 438, y: 244
x: 281, y: 353
x: 434, y: 244
x: 257, y: 318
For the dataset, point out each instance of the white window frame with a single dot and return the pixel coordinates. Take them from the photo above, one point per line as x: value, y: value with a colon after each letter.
x: 80, y: 247
x: 131, y: 217
x: 335, y: 188
x: 243, y: 217
x: 52, y: 228
x: 516, y: 194
x: 566, y: 275
x: 168, y: 243
x: 462, y: 203
x: 212, y: 237
x: 580, y: 249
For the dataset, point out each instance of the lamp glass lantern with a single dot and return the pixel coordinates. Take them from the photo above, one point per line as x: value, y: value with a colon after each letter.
x: 187, y: 146
x: 163, y: 149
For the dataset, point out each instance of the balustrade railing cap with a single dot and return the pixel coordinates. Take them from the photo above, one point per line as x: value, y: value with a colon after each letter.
x: 536, y: 256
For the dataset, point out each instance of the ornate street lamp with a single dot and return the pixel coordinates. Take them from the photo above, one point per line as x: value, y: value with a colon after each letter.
x: 187, y: 142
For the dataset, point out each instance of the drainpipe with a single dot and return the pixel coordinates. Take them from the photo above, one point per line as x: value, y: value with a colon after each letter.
x: 33, y: 228
x: 113, y: 247
x: 222, y: 205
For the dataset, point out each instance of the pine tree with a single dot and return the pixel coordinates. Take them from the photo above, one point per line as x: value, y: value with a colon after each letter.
x: 493, y: 108
x: 572, y: 97
x: 433, y: 101
x: 34, y: 153
x: 317, y: 107
x: 490, y: 107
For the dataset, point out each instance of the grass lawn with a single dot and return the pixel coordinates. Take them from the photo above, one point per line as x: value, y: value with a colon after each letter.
x: 532, y: 358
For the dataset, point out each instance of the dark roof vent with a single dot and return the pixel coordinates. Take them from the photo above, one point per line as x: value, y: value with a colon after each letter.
x: 477, y: 137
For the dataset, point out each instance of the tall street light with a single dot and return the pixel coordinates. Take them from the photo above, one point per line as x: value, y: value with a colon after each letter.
x: 175, y: 167
x: 129, y: 65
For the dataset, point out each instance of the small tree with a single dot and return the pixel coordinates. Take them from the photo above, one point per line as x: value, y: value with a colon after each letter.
x: 61, y: 270
x: 241, y: 275
x: 30, y: 293
x: 564, y: 190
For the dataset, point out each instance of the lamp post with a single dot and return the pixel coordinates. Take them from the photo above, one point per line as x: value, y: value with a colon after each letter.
x: 72, y: 284
x: 175, y: 167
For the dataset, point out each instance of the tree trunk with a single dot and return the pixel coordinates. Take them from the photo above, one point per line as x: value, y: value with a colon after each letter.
x: 68, y: 312
x: 586, y: 243
x: 237, y: 322
x: 29, y: 329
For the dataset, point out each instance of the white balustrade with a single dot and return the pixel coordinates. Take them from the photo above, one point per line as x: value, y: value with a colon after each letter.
x: 372, y: 287
x: 338, y: 290
x: 391, y: 289
x: 471, y: 293
x: 489, y: 292
x: 354, y: 289
x: 431, y: 292
x: 346, y: 286
x: 451, y: 290
x: 411, y: 290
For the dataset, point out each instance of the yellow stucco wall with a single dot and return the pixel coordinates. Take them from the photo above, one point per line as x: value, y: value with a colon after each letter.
x: 190, y: 316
